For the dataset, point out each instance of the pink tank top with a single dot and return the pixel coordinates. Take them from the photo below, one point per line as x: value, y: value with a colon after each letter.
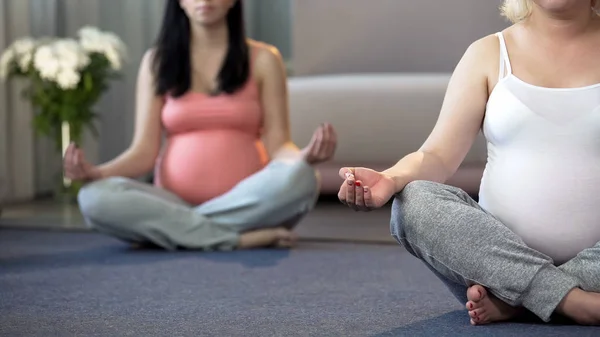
x: 213, y: 142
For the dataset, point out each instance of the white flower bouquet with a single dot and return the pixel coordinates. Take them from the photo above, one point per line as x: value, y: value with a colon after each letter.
x: 66, y: 78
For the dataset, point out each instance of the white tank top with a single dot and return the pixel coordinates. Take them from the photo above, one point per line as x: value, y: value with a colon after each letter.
x: 542, y: 177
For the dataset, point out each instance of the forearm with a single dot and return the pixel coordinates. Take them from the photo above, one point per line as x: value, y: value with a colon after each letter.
x: 130, y: 164
x: 417, y: 166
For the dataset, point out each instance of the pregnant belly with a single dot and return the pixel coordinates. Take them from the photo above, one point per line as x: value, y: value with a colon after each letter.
x: 553, y: 207
x: 201, y: 166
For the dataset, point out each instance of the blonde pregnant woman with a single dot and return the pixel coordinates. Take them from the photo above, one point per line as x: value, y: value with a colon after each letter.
x: 532, y: 243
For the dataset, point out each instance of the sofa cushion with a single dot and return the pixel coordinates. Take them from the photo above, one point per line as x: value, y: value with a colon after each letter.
x: 379, y: 118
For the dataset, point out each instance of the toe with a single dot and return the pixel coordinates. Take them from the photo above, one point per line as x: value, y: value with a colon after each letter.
x: 483, y: 319
x: 478, y: 319
x: 478, y: 315
x: 472, y: 305
x: 479, y: 312
x: 476, y: 293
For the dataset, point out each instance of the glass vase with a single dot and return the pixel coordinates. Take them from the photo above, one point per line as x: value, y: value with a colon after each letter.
x: 67, y: 189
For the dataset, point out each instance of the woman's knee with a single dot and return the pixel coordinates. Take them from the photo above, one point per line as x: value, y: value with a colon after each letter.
x: 290, y: 190
x: 412, y: 207
x: 306, y: 175
x: 94, y: 198
x: 297, y: 179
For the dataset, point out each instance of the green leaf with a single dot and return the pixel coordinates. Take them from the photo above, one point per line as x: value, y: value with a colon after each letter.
x: 42, y: 125
x: 76, y: 106
x: 88, y: 82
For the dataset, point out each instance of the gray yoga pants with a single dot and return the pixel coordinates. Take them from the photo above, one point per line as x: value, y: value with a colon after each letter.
x: 278, y: 195
x: 464, y: 245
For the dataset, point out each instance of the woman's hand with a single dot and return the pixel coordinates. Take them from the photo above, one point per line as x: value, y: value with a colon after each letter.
x: 365, y: 189
x: 77, y: 168
x: 322, y: 145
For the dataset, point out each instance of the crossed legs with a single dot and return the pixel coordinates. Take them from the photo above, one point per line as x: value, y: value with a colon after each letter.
x: 470, y: 250
x: 258, y: 211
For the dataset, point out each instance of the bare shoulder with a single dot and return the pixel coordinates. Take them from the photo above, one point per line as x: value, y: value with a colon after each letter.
x: 267, y: 58
x: 482, y: 59
x: 485, y: 50
x: 147, y: 77
x: 147, y: 61
x: 149, y: 54
x: 264, y: 51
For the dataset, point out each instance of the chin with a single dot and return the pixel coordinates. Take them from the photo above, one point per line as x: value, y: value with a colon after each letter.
x: 208, y: 21
x: 558, y: 5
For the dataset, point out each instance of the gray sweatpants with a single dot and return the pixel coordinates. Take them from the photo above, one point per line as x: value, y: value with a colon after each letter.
x: 279, y: 195
x: 464, y: 245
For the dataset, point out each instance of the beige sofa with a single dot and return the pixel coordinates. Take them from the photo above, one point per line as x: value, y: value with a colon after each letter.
x: 379, y: 119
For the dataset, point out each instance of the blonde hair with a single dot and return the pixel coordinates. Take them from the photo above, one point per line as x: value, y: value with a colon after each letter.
x: 518, y: 10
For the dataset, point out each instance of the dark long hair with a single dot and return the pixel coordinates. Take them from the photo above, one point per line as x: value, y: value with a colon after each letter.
x: 172, y: 61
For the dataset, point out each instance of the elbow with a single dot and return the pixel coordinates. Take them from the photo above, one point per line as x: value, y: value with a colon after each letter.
x: 440, y: 169
x: 148, y: 160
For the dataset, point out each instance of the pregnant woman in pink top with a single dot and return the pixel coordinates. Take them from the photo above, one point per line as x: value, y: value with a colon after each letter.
x: 228, y: 176
x: 532, y: 242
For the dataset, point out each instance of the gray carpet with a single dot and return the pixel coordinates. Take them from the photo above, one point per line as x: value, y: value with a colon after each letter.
x: 82, y: 284
x: 330, y: 220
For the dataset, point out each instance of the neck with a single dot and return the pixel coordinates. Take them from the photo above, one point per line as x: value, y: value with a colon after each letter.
x: 565, y: 24
x: 216, y: 35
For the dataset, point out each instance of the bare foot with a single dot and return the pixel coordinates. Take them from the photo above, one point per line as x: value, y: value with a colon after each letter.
x: 268, y: 237
x: 485, y: 308
x: 581, y: 306
x: 285, y: 238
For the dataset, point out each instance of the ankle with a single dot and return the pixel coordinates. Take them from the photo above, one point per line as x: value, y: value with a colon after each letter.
x: 580, y: 305
x: 258, y: 238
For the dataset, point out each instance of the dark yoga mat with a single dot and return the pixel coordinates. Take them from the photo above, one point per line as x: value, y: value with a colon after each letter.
x: 83, y: 284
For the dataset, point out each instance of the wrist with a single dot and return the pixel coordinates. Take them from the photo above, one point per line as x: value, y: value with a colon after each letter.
x: 400, y: 178
x: 305, y: 155
x: 99, y: 173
